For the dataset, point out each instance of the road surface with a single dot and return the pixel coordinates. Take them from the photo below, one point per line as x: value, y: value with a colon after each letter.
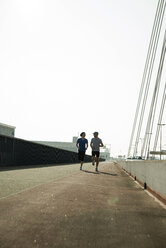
x: 60, y: 206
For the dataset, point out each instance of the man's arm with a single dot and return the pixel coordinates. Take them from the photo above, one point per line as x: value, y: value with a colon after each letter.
x: 101, y: 144
x: 87, y: 145
x: 77, y: 144
x: 91, y: 145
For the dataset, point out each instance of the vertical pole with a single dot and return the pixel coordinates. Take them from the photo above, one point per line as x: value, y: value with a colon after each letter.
x: 141, y: 139
x: 160, y: 140
x: 148, y: 147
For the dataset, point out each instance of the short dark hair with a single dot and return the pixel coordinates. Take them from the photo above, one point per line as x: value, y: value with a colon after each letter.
x: 82, y: 133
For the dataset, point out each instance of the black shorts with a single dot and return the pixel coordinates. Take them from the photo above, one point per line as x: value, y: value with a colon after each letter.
x: 97, y: 154
x: 81, y: 155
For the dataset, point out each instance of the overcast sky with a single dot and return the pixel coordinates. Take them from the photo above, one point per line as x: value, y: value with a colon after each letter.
x: 68, y: 66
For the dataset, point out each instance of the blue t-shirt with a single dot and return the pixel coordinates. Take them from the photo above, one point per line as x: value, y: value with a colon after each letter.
x: 82, y: 143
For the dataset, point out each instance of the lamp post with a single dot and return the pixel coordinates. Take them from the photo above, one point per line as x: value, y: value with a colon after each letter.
x: 148, y: 145
x: 141, y: 139
x: 161, y: 125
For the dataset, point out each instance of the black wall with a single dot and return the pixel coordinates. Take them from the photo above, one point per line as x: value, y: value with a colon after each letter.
x: 15, y: 151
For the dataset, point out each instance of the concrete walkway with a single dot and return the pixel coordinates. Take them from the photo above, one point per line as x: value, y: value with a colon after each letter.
x: 79, y: 209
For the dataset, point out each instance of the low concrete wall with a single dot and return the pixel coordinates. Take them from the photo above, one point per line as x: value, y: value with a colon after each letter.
x: 151, y: 173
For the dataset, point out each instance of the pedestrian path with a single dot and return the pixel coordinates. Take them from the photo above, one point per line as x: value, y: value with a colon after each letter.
x: 82, y: 209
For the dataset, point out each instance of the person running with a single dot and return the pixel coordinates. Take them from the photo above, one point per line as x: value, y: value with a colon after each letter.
x: 95, y: 144
x: 82, y: 145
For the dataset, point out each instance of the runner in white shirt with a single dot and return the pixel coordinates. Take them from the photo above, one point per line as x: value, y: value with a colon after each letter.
x: 95, y: 144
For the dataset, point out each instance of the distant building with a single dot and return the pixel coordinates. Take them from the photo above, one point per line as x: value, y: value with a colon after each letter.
x: 69, y: 146
x: 105, y: 152
x: 7, y: 130
x: 121, y: 157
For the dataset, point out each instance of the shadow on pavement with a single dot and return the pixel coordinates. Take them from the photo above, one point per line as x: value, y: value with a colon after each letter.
x: 90, y: 172
x: 106, y: 173
x: 100, y: 172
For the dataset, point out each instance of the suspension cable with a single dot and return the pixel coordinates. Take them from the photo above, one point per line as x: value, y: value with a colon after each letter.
x: 150, y: 122
x: 144, y: 76
x: 160, y: 118
x: 151, y: 64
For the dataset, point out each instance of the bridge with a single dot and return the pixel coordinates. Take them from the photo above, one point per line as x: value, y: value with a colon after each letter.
x: 46, y: 201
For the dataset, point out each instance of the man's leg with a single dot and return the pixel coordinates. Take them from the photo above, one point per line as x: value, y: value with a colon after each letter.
x: 97, y: 163
x: 93, y: 160
x: 82, y: 159
x: 81, y: 165
x: 97, y: 160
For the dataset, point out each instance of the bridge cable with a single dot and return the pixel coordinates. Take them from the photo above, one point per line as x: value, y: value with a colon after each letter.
x: 143, y: 78
x: 151, y: 64
x: 150, y: 122
x: 160, y: 118
x: 158, y: 28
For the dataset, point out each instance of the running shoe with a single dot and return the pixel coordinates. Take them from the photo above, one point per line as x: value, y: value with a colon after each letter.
x: 97, y: 170
x: 93, y: 163
x: 80, y: 167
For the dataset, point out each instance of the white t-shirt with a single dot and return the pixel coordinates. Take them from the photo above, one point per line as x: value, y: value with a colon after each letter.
x: 96, y: 144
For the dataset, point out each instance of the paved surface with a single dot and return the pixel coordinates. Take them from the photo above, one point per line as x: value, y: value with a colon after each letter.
x: 79, y: 209
x: 13, y: 180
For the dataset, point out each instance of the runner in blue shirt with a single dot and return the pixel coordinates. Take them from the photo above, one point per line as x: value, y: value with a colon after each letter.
x: 82, y: 145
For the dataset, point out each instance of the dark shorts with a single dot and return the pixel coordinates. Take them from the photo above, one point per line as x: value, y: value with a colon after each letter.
x: 81, y: 155
x: 97, y: 154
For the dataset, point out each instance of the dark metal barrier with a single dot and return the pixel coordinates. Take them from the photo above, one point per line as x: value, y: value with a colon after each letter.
x: 15, y: 151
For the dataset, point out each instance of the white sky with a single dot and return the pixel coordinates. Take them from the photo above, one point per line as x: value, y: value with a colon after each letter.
x: 68, y: 66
